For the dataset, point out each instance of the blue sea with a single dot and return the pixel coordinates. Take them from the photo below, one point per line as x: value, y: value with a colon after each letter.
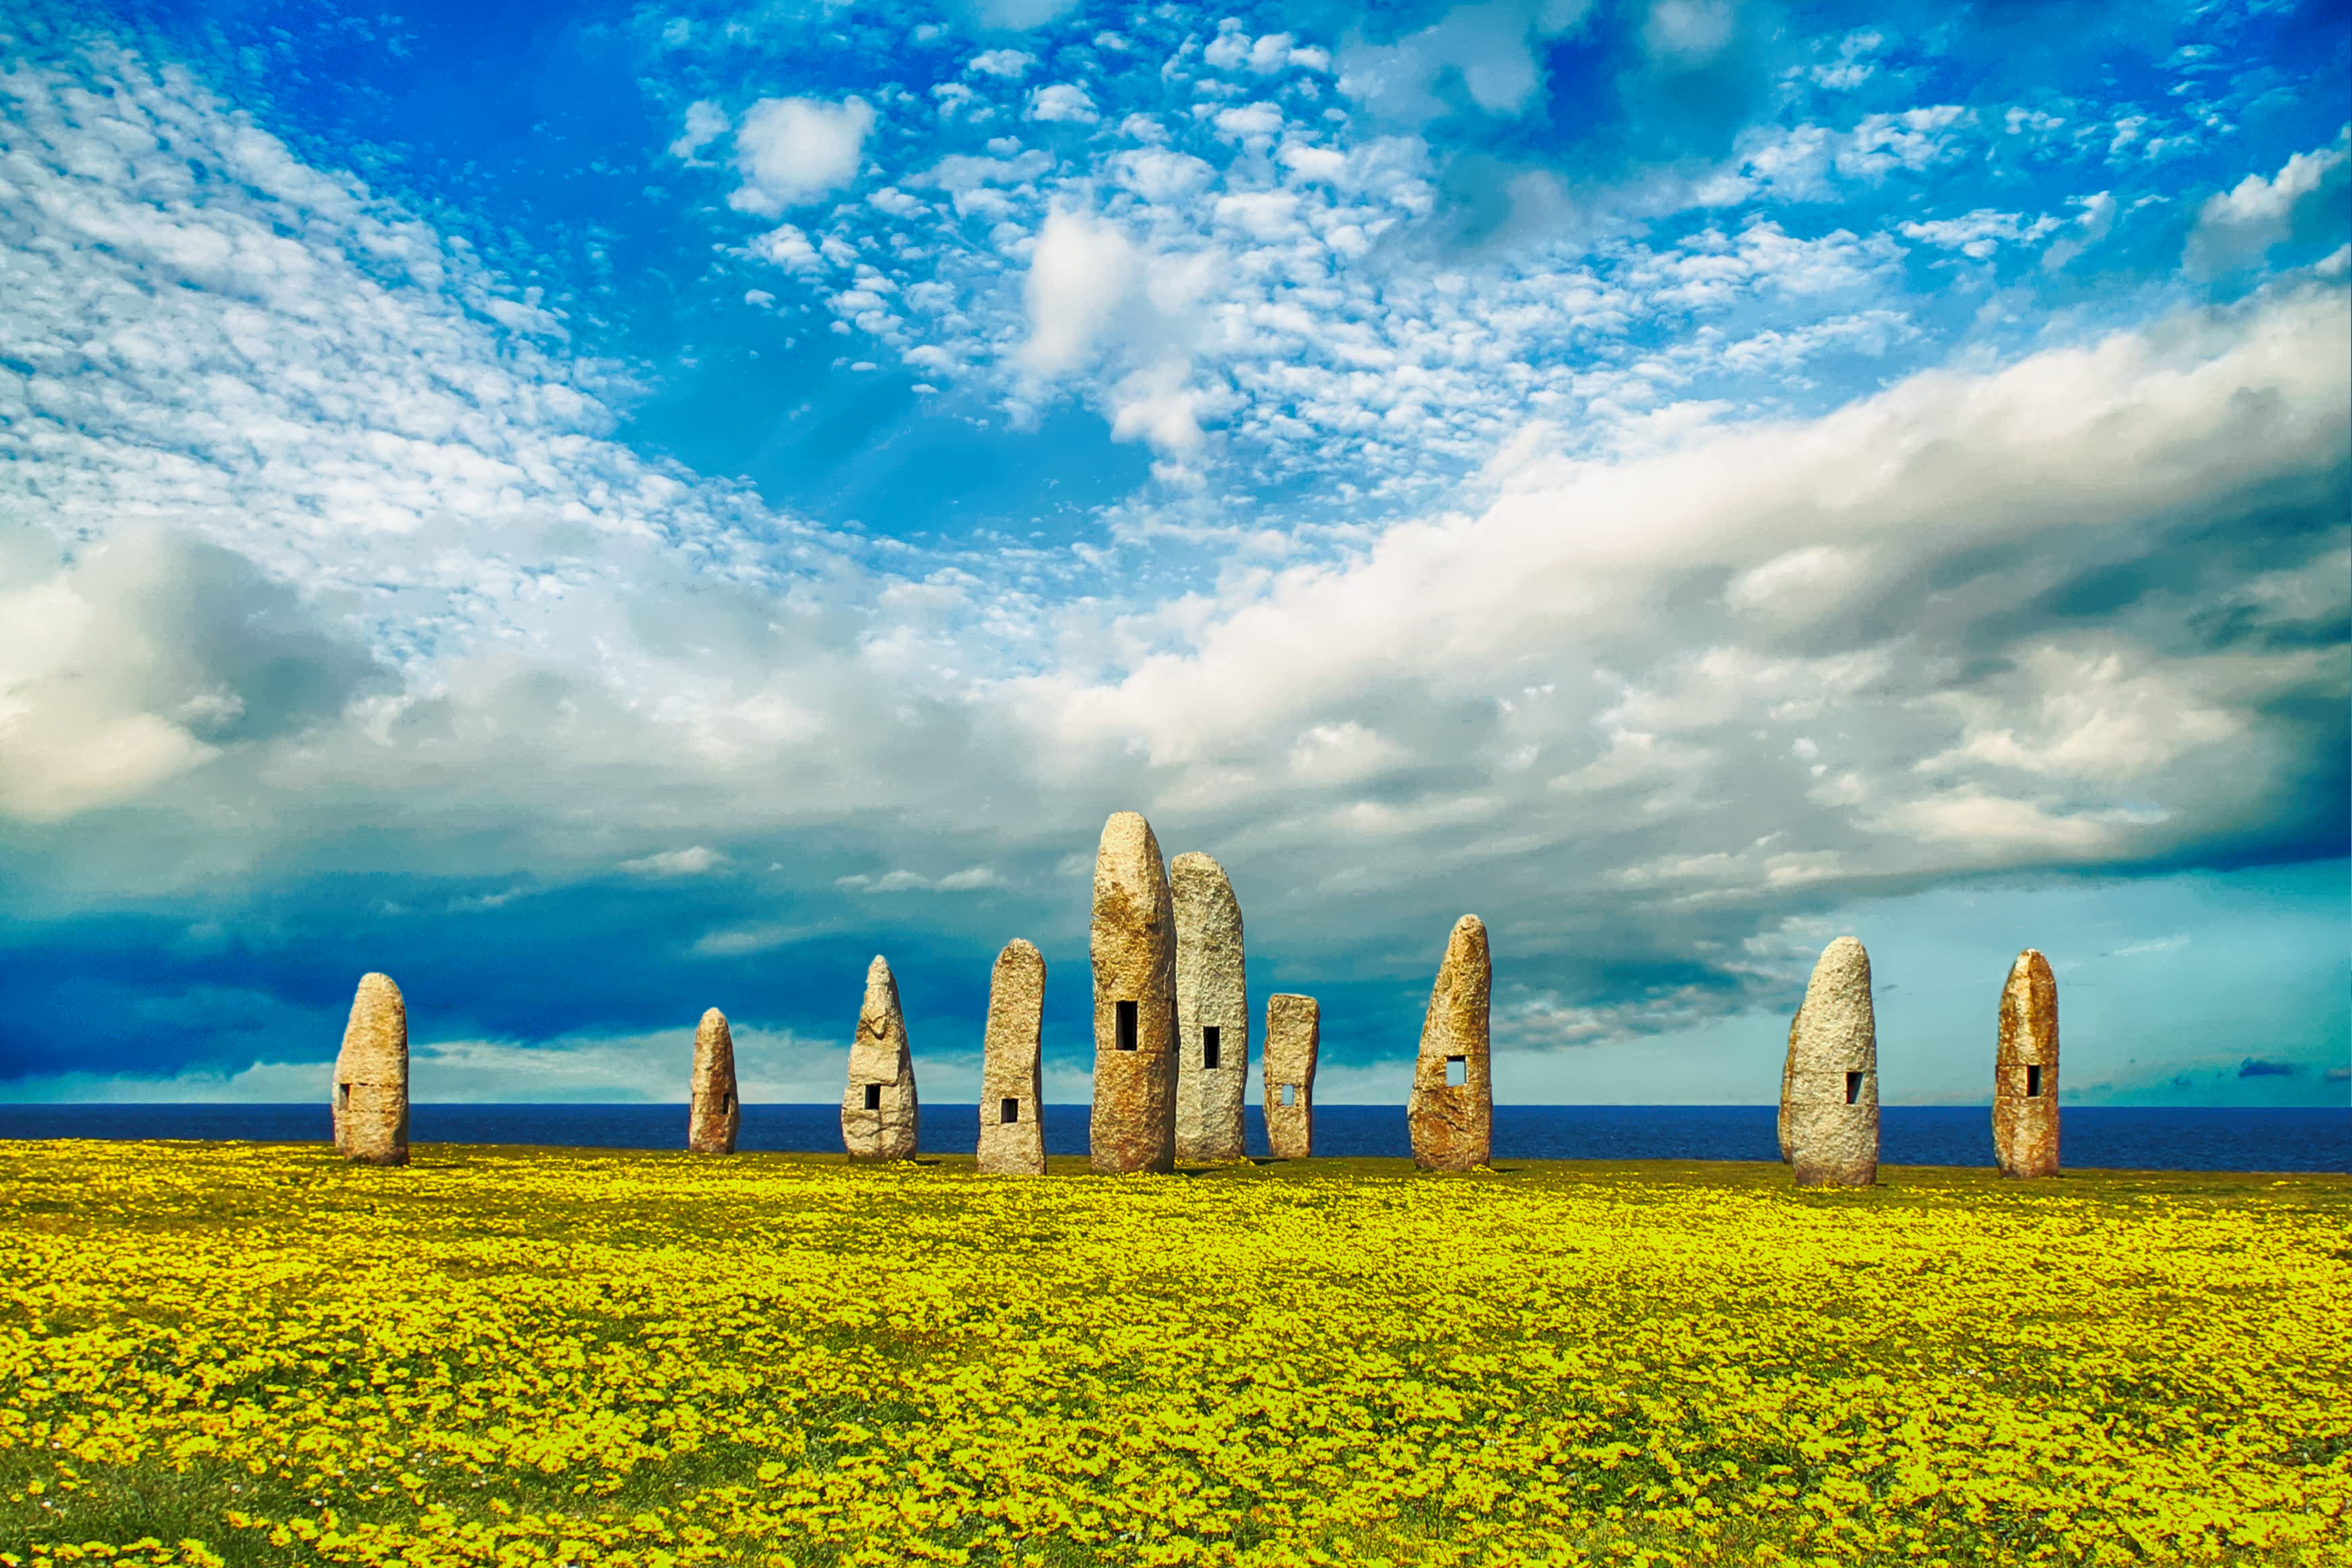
x: 2094, y: 1137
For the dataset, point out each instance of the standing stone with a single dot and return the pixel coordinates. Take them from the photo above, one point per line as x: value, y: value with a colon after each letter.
x: 1012, y: 1101
x: 714, y: 1118
x: 371, y: 1094
x: 2025, y: 1071
x: 1831, y: 1105
x: 1134, y: 951
x: 1293, y: 1033
x: 1451, y: 1111
x: 878, y: 1110
x: 1212, y: 1012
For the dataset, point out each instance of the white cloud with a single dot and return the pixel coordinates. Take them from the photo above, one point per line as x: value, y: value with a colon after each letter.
x: 2240, y: 225
x: 691, y: 861
x: 1080, y: 273
x: 792, y: 151
x: 1064, y: 102
x: 705, y: 123
x: 1010, y: 65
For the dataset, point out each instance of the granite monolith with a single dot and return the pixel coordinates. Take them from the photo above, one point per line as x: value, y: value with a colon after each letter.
x: 371, y: 1092
x: 1134, y: 949
x: 714, y: 1116
x: 1451, y: 1109
x: 1212, y: 1022
x: 1294, y: 1033
x: 2025, y: 1070
x: 878, y: 1110
x: 1012, y: 1100
x: 1830, y: 1107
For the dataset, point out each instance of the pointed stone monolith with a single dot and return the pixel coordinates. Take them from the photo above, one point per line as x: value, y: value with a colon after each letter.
x: 878, y: 1110
x: 1012, y: 1099
x: 715, y: 1116
x: 1134, y: 950
x: 1212, y: 1022
x: 2025, y: 1071
x: 1452, y: 1110
x: 371, y: 1092
x: 1830, y: 1107
x: 1294, y: 1033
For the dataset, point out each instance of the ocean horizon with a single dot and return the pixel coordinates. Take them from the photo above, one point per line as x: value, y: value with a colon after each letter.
x: 2155, y: 1138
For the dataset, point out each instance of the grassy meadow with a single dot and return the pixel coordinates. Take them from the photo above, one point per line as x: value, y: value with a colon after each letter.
x: 252, y: 1354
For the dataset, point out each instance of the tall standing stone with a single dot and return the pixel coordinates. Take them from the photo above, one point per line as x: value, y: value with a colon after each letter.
x: 1830, y: 1107
x: 371, y: 1092
x: 878, y: 1110
x: 1451, y: 1111
x: 1294, y: 1033
x: 715, y: 1115
x: 1134, y: 951
x: 1212, y: 1020
x: 2025, y: 1070
x: 1012, y: 1099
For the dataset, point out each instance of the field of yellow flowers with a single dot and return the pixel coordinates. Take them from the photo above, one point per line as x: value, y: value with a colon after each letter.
x: 245, y: 1353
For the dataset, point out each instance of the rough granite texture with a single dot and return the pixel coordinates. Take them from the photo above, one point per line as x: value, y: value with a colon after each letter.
x: 1832, y: 1143
x: 1294, y: 1033
x: 371, y: 1092
x: 1009, y: 1066
x: 715, y: 1115
x: 1134, y: 951
x: 879, y: 1056
x: 1212, y: 992
x: 2026, y: 1126
x: 1454, y: 1125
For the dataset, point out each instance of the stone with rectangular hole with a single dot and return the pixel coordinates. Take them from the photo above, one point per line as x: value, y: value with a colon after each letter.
x: 878, y: 1109
x: 1212, y: 1012
x: 1293, y: 1036
x: 1012, y: 1134
x: 714, y: 1115
x: 2025, y: 1070
x: 1133, y: 948
x: 1829, y: 1095
x: 371, y: 1085
x: 1452, y: 1114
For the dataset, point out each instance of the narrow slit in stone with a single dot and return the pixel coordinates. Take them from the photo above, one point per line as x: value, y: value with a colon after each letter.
x: 1854, y: 1089
x: 1008, y: 1111
x: 343, y: 1095
x: 1457, y: 1071
x: 1125, y: 1039
x: 1209, y: 1045
x: 1289, y: 1093
x: 873, y: 1097
x: 2033, y: 1082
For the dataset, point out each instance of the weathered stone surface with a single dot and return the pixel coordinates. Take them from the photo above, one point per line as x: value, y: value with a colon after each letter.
x: 1830, y: 1108
x: 1212, y: 1004
x: 1454, y: 1124
x: 1294, y: 1035
x: 1788, y: 1068
x: 1012, y: 1096
x: 2025, y: 1070
x: 371, y: 1092
x: 715, y: 1115
x: 1134, y: 950
x: 877, y: 1111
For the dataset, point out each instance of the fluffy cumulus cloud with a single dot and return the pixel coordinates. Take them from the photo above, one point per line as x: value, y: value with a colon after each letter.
x: 339, y: 618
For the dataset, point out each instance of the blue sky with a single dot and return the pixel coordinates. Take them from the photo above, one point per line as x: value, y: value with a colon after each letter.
x: 606, y: 510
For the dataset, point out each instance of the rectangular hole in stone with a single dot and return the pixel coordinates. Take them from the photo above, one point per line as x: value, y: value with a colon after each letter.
x: 1008, y: 1111
x: 1854, y: 1089
x: 873, y: 1097
x: 1289, y: 1094
x: 1124, y: 1040
x: 1209, y: 1045
x: 1457, y: 1071
x: 2033, y: 1082
x: 726, y: 1103
x: 343, y: 1096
